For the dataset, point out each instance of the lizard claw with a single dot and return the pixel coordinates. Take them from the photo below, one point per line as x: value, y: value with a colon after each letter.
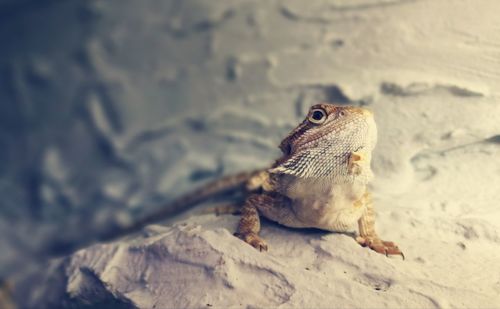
x: 254, y: 240
x: 383, y: 247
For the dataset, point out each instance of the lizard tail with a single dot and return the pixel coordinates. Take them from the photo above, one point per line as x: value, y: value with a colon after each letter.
x: 219, y: 187
x: 6, y: 299
x: 226, y: 209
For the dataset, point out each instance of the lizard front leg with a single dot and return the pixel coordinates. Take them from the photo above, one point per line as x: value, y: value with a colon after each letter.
x: 272, y: 206
x: 249, y: 225
x: 367, y: 234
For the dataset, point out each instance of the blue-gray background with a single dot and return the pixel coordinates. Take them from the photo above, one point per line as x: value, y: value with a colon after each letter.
x: 109, y: 108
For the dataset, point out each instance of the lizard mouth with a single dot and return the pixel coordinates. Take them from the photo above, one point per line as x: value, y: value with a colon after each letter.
x: 359, y: 148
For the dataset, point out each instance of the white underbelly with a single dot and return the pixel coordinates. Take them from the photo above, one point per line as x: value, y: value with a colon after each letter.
x: 328, y: 207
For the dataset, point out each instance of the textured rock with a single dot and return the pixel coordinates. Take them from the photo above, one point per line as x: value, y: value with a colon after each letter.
x: 106, y: 106
x: 198, y: 264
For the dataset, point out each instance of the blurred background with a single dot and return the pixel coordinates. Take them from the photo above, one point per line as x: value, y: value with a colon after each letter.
x: 110, y: 109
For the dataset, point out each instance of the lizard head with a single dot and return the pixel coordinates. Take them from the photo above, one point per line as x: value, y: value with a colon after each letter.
x: 320, y: 147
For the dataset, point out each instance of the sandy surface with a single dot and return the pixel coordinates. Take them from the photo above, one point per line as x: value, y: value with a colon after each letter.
x: 228, y: 80
x: 199, y: 264
x: 430, y: 201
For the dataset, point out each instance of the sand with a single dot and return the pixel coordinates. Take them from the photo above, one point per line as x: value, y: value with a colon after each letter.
x: 435, y: 197
x: 428, y: 69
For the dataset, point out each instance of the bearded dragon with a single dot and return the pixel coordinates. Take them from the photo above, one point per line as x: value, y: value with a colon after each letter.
x: 320, y: 181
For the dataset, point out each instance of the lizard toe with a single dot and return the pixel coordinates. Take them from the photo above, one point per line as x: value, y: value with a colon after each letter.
x: 383, y: 247
x: 254, y: 240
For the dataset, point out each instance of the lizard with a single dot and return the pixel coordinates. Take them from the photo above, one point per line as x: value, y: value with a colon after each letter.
x: 320, y: 181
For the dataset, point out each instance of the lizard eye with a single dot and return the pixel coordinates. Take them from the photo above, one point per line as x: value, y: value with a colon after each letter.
x: 317, y: 116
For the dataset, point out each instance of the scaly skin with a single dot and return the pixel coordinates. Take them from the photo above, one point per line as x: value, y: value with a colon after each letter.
x: 320, y: 181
